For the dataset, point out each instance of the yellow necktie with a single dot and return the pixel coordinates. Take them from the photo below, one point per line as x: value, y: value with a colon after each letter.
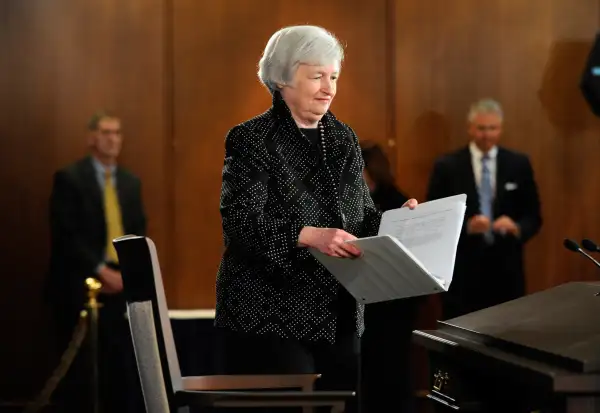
x: 112, y: 215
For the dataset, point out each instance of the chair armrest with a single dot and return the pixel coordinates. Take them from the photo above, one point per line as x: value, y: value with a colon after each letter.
x: 335, y: 399
x: 248, y: 382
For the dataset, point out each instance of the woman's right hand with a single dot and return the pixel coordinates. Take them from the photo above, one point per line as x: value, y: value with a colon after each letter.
x: 330, y: 241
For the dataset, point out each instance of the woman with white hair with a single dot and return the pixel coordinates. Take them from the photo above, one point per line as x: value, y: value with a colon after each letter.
x: 292, y: 179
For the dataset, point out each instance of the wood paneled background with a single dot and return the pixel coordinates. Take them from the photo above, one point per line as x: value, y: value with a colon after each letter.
x: 182, y: 72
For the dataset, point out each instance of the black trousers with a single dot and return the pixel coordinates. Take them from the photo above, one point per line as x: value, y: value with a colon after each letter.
x: 387, y: 379
x: 246, y: 353
x: 119, y: 386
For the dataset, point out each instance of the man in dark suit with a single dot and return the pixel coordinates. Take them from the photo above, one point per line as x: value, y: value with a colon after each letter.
x: 503, y: 213
x: 94, y: 201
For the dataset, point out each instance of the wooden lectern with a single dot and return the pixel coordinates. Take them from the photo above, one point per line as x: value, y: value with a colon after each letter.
x: 537, y: 353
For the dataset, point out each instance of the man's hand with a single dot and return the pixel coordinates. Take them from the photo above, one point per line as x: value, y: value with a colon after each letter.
x: 112, y: 283
x: 478, y: 224
x: 330, y: 241
x: 505, y: 225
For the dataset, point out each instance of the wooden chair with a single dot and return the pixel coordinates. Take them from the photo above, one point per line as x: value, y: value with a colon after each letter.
x: 164, y: 389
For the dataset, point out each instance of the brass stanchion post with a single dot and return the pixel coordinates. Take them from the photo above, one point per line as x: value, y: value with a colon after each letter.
x: 93, y: 305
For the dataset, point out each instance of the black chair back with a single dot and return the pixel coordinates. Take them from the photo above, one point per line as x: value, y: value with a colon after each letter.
x: 149, y: 322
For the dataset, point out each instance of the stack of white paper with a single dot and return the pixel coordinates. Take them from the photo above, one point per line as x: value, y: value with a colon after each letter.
x: 412, y: 255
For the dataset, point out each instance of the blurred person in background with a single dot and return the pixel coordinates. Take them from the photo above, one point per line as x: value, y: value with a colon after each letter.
x: 503, y: 213
x: 93, y: 201
x: 387, y: 378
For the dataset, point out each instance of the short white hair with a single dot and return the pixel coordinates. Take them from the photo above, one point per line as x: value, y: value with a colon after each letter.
x: 485, y: 106
x: 295, y: 45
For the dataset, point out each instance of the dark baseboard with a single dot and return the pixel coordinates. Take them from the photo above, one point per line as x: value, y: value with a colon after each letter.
x: 19, y: 407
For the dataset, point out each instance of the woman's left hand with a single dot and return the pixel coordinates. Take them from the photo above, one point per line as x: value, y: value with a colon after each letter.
x: 411, y: 203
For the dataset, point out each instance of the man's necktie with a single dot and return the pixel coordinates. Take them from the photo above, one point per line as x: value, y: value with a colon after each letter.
x: 486, y: 195
x: 112, y: 215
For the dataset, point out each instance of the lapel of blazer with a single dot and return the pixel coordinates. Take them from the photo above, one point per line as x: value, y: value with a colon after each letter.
x: 122, y: 185
x: 286, y: 136
x: 467, y: 175
x: 301, y: 153
x: 124, y: 193
x: 304, y: 157
x: 338, y: 144
x: 501, y: 176
x: 90, y: 181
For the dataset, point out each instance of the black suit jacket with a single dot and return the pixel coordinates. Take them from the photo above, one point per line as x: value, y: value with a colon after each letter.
x: 275, y: 182
x: 388, y: 197
x: 78, y: 229
x: 485, y: 275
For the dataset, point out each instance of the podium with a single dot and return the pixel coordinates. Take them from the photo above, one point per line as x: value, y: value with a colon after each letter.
x: 537, y: 353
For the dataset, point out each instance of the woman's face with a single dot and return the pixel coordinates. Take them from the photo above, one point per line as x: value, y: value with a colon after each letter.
x: 311, y: 92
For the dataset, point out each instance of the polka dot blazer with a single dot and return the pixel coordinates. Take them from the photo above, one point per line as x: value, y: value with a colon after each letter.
x: 275, y: 182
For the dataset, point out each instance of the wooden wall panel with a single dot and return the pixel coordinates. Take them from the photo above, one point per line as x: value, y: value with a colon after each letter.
x: 217, y: 46
x: 62, y: 60
x: 183, y: 72
x: 529, y: 56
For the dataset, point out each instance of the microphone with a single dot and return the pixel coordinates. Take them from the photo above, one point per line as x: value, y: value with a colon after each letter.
x: 590, y: 245
x: 573, y: 246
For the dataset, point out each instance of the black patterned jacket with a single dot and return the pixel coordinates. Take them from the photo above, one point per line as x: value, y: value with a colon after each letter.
x: 275, y: 182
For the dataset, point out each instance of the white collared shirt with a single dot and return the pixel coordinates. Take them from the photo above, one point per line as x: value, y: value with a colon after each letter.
x: 476, y: 155
x: 100, y: 169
